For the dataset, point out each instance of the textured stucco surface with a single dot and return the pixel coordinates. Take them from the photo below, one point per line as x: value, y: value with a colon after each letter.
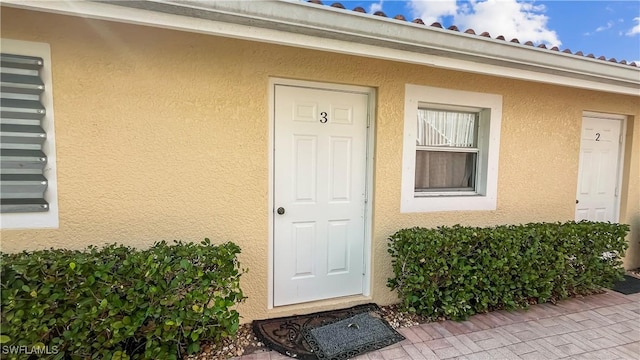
x: 164, y: 135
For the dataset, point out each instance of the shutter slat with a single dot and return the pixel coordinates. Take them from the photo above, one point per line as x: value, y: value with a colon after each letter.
x: 21, y: 109
x: 15, y: 136
x: 21, y: 84
x: 21, y: 62
x: 22, y: 160
x: 22, y: 186
x: 23, y: 205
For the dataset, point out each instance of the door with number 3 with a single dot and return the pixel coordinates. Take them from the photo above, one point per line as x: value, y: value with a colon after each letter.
x: 319, y: 194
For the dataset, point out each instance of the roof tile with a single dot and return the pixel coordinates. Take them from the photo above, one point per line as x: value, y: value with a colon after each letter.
x: 419, y: 21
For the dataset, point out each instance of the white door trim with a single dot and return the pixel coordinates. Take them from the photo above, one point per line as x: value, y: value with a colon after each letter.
x: 370, y: 92
x: 622, y: 146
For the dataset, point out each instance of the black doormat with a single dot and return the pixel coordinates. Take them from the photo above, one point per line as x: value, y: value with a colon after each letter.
x: 350, y: 337
x: 286, y: 335
x: 628, y: 285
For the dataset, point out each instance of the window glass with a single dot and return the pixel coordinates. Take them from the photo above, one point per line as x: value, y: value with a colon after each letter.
x: 445, y: 171
x: 446, y: 128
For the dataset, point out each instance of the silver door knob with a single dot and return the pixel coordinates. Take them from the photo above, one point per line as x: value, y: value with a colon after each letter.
x: 280, y: 211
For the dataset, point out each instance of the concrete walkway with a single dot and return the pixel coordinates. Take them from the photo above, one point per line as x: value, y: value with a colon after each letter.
x: 603, y: 327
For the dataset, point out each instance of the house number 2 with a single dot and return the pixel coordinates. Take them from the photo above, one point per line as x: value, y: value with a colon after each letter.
x: 597, y: 136
x: 323, y: 117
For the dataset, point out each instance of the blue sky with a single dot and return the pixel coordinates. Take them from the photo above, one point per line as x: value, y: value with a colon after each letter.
x: 609, y: 28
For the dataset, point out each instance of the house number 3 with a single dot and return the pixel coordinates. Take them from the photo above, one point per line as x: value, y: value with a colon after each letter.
x: 597, y: 136
x: 323, y: 117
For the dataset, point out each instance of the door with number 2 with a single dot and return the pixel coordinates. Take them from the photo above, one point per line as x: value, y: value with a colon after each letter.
x: 320, y: 167
x: 598, y: 173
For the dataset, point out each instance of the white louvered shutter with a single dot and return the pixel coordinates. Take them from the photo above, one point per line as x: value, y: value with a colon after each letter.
x: 22, y: 160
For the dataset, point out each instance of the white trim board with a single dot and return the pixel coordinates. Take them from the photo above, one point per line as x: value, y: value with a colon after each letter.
x: 516, y: 61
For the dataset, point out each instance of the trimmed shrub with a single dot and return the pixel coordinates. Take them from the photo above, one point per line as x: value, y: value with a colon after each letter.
x: 454, y: 272
x: 118, y: 302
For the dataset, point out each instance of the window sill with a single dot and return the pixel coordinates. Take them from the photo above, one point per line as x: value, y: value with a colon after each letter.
x: 427, y: 194
x: 448, y: 202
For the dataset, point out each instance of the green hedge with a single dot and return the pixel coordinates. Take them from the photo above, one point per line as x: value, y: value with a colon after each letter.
x: 118, y: 302
x: 455, y: 272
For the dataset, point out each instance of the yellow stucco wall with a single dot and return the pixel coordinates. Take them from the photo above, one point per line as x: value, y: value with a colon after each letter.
x: 164, y: 135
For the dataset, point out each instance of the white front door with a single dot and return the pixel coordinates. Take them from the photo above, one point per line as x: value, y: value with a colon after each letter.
x: 320, y: 166
x: 597, y: 195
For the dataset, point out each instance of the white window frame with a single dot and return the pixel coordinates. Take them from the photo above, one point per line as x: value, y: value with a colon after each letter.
x: 46, y: 219
x: 489, y: 106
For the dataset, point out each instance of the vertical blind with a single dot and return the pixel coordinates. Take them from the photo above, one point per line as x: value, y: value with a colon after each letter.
x: 22, y: 160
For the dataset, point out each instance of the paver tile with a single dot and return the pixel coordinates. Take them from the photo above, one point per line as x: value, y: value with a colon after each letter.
x: 539, y: 344
x: 550, y: 309
x: 520, y: 348
x: 542, y: 347
x: 475, y: 320
x: 578, y: 316
x: 361, y: 357
x: 517, y: 327
x: 413, y: 352
x: 375, y: 355
x: 459, y: 345
x: 534, y: 355
x: 426, y: 351
x: 479, y: 356
x: 549, y: 322
x: 603, y: 342
x: 571, y: 324
x: 441, y: 329
x: 581, y: 342
x: 455, y: 328
x: 469, y: 343
x: 423, y: 335
x: 469, y: 325
x: 485, y: 318
x: 506, y: 335
x: 410, y: 335
x: 490, y: 343
x: 437, y: 344
x: 557, y: 330
x: 527, y: 335
x: 447, y: 353
x: 429, y: 329
x: 480, y: 335
x: 557, y: 340
x: 503, y: 353
x: 394, y: 353
x: 633, y: 348
x: 624, y: 353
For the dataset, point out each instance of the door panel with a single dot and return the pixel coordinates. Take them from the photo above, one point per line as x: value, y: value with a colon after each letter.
x: 320, y: 183
x: 598, y: 170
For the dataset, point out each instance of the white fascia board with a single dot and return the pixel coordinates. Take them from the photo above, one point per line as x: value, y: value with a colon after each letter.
x: 303, y: 25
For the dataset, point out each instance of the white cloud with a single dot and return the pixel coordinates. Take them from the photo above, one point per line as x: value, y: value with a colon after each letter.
x: 605, y: 27
x: 510, y: 18
x: 432, y: 11
x: 636, y: 29
x: 376, y: 6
